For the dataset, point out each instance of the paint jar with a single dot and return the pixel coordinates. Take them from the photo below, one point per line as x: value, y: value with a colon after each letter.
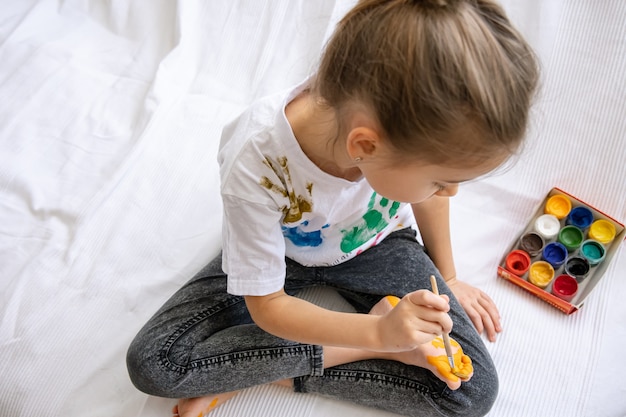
x: 532, y: 243
x: 580, y: 217
x: 602, y: 230
x: 577, y: 267
x: 565, y: 287
x: 592, y: 251
x: 548, y: 226
x: 540, y: 274
x: 558, y: 205
x: 517, y: 262
x: 555, y: 254
x: 571, y: 237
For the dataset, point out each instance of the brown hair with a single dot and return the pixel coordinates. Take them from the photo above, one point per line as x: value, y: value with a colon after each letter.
x: 448, y: 80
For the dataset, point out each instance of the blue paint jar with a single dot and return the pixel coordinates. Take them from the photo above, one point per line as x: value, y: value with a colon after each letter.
x: 555, y: 253
x: 580, y: 217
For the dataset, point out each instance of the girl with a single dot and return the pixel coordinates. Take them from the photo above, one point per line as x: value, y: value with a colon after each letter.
x: 322, y: 185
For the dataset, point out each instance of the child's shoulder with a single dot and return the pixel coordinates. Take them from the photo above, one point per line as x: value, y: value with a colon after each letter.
x: 260, y: 132
x: 260, y: 123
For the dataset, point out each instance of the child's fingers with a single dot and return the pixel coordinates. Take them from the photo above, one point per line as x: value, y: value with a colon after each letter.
x: 428, y: 299
x: 409, y: 324
x: 432, y: 309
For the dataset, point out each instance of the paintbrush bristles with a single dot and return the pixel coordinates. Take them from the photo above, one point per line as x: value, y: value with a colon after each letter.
x: 444, y: 336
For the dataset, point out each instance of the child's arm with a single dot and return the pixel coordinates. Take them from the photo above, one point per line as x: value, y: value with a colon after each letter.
x: 417, y: 319
x: 433, y: 219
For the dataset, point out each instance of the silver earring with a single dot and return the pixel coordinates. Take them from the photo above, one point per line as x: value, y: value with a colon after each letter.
x: 358, y: 159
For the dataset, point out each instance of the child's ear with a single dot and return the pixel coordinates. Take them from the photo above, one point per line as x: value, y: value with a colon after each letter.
x: 362, y: 142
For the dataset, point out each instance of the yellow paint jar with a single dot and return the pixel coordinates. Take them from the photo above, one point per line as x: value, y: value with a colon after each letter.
x: 602, y: 230
x: 558, y: 205
x: 540, y: 274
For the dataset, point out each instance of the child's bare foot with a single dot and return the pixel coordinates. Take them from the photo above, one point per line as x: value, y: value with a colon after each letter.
x: 284, y: 383
x: 432, y: 355
x: 199, y: 406
x: 385, y: 305
x: 436, y: 356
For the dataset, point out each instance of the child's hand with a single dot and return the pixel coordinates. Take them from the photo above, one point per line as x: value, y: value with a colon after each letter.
x: 417, y: 319
x: 479, y: 307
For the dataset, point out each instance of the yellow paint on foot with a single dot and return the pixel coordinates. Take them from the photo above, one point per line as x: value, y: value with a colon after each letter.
x: 393, y: 300
x: 463, y: 368
x: 462, y: 363
x: 210, y: 407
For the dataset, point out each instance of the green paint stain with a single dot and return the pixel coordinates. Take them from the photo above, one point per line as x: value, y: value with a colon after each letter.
x: 373, y: 221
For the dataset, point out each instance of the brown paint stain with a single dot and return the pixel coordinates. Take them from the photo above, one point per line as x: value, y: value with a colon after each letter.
x: 298, y: 204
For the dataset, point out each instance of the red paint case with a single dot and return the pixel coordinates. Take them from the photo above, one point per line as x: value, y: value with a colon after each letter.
x: 586, y: 285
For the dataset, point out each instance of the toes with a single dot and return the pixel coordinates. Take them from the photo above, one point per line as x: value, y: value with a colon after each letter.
x: 464, y: 370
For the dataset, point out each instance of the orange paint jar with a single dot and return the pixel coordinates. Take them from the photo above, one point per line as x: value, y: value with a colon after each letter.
x: 518, y: 262
x: 559, y: 206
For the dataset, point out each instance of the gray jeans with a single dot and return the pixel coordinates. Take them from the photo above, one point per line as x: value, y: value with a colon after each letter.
x: 203, y: 340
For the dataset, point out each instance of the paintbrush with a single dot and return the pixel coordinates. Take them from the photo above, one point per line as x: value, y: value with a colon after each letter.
x: 444, y: 336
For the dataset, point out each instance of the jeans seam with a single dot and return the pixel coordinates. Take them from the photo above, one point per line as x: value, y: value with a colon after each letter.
x: 246, y: 355
x: 182, y: 329
x: 382, y: 378
x: 315, y: 352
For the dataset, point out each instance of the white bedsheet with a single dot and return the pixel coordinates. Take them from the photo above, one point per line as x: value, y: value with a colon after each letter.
x: 110, y: 115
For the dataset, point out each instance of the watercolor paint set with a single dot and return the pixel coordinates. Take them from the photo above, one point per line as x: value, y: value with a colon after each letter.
x: 563, y: 252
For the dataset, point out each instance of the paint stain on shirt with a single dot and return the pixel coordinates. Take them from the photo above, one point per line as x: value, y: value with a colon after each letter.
x: 375, y: 219
x: 298, y: 204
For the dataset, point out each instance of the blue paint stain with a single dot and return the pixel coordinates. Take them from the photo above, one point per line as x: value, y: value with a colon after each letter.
x: 302, y: 238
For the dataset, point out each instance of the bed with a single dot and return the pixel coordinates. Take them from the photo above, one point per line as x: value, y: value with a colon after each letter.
x: 110, y: 118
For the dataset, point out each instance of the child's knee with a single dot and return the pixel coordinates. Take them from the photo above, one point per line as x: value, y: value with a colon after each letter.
x: 145, y: 369
x: 477, y: 396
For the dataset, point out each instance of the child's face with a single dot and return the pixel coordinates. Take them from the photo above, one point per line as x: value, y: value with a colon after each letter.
x: 414, y: 183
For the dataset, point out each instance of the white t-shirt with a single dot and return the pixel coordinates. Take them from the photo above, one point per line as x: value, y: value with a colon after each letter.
x: 278, y: 203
